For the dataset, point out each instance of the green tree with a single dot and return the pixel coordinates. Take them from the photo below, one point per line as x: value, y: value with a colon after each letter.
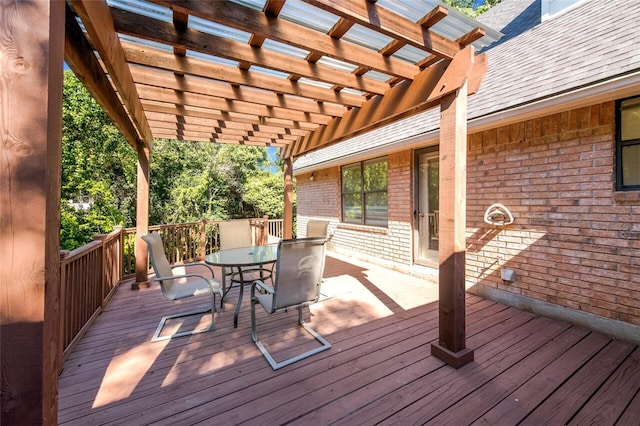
x: 98, y: 169
x: 189, y: 180
x: 473, y: 8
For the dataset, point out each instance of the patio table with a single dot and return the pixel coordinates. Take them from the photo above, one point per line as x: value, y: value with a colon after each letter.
x: 240, y: 258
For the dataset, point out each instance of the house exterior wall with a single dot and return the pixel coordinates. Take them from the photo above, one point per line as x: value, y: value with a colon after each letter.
x: 575, y: 240
x: 320, y: 199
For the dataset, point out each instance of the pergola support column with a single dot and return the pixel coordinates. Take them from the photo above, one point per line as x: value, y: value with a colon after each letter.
x: 451, y: 346
x: 142, y: 219
x: 287, y: 222
x: 31, y: 77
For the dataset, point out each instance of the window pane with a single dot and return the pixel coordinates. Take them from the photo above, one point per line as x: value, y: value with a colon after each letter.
x: 630, y: 119
x: 631, y: 165
x: 352, y: 208
x: 375, y: 175
x: 376, y: 210
x: 351, y: 178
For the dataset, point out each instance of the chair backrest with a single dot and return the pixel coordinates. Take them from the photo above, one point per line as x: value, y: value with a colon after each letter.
x: 299, y: 270
x: 159, y: 261
x: 317, y: 228
x: 235, y: 233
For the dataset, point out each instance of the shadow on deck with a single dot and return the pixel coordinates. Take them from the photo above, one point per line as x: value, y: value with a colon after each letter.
x: 527, y: 368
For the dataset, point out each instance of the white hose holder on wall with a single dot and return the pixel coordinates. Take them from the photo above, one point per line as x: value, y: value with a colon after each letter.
x: 498, y: 215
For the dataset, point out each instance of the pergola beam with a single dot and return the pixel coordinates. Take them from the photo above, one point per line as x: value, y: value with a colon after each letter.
x: 225, y: 105
x: 187, y: 120
x: 163, y: 32
x: 404, y: 99
x: 249, y: 20
x: 188, y: 111
x: 145, y: 76
x: 371, y: 15
x: 218, y: 132
x: 79, y: 56
x: 192, y: 66
x: 96, y: 18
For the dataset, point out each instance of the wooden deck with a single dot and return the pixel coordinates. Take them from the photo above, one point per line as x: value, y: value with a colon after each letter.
x: 528, y: 369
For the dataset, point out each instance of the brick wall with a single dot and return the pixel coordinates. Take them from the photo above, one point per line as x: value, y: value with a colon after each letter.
x: 320, y: 198
x: 573, y: 243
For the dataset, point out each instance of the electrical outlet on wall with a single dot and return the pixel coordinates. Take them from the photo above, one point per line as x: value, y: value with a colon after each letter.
x: 508, y: 274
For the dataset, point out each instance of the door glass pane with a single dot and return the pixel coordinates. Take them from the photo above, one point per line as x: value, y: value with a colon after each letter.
x: 434, y: 202
x: 427, y: 216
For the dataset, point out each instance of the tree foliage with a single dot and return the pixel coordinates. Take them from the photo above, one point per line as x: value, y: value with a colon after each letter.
x: 98, y: 169
x: 189, y: 180
x: 472, y: 8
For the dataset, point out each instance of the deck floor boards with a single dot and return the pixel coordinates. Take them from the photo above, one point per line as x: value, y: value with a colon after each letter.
x: 528, y: 369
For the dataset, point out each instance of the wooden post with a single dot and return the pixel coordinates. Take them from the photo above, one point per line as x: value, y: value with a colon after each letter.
x: 142, y: 220
x: 287, y: 231
x: 264, y: 231
x: 104, y: 290
x: 31, y: 76
x: 453, y: 193
x: 120, y: 229
x: 203, y: 238
x: 62, y: 308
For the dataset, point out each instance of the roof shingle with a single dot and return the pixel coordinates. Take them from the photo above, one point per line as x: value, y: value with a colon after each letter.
x: 593, y: 42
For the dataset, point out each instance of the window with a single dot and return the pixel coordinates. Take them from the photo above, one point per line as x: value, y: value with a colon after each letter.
x: 628, y: 145
x: 364, y: 192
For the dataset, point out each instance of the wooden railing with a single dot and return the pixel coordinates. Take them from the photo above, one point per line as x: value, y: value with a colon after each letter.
x: 276, y: 228
x: 90, y: 274
x: 188, y: 242
x: 88, y: 277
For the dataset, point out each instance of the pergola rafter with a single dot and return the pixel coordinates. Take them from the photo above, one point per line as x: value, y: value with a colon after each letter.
x: 252, y: 73
x: 253, y: 64
x: 295, y: 75
x: 259, y: 24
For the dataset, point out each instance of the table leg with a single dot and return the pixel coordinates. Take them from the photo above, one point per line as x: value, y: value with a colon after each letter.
x: 237, y: 311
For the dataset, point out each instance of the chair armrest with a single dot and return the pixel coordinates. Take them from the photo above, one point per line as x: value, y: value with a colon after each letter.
x: 261, y: 286
x: 173, y: 277
x: 196, y: 264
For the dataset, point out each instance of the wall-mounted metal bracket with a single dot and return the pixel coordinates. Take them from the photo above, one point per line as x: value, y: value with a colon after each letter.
x: 498, y: 215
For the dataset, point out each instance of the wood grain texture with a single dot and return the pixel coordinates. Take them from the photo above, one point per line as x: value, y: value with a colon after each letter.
x: 379, y: 370
x: 31, y: 55
x: 142, y: 218
x: 370, y: 15
x: 453, y: 186
x: 98, y: 22
x: 289, y: 33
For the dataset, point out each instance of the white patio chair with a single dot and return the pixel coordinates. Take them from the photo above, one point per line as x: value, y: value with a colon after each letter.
x: 298, y: 276
x: 234, y: 234
x: 180, y: 286
x: 317, y: 228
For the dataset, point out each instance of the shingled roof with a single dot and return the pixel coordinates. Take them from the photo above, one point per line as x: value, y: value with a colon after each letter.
x: 512, y: 17
x: 595, y: 42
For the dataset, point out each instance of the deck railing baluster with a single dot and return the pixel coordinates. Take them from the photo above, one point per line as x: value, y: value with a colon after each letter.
x: 90, y: 274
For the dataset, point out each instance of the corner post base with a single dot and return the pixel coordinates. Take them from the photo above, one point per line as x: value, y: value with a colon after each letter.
x: 454, y: 359
x: 138, y: 285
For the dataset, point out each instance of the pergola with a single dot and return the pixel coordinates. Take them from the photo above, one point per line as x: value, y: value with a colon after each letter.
x: 297, y: 75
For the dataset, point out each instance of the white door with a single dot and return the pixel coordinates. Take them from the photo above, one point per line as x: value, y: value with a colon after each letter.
x: 427, y: 203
